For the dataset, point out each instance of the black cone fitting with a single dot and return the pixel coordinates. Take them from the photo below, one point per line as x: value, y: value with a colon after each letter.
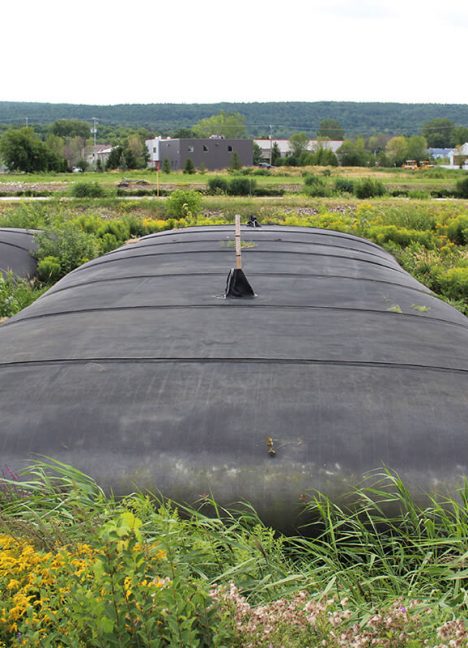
x: 237, y: 285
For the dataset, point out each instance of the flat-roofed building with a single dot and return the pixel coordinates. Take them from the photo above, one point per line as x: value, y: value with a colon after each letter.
x: 209, y: 153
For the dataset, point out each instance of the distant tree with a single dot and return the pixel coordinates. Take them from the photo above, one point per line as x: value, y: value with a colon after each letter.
x: 166, y: 166
x: 183, y: 133
x: 55, y: 144
x: 70, y: 128
x: 82, y: 164
x: 298, y: 143
x: 22, y: 150
x: 439, y: 132
x: 275, y: 154
x: 324, y: 157
x: 331, y: 129
x: 114, y: 161
x: 417, y: 148
x: 376, y: 143
x: 397, y: 150
x: 257, y: 154
x: 353, y: 153
x: 460, y: 135
x: 189, y: 166
x: 135, y: 151
x: 74, y: 150
x: 229, y: 125
x: 235, y: 164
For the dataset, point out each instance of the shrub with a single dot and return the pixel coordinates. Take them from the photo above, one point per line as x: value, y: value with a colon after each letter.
x: 457, y: 230
x: 315, y: 186
x: 189, y: 166
x: 454, y: 283
x: 400, y: 235
x: 344, y: 185
x: 16, y: 294
x: 183, y: 202
x: 68, y: 244
x: 166, y: 167
x: 87, y: 190
x: 120, y: 229
x: 462, y: 188
x: 268, y: 191
x: 235, y: 162
x: 369, y: 188
x: 241, y: 187
x: 417, y: 194
x: 48, y: 269
x: 218, y: 185
x: 444, y: 193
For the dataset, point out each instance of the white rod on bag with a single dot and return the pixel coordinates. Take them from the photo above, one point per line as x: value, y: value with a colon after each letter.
x: 238, y: 243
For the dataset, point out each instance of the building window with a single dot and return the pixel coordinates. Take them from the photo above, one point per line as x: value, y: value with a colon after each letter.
x: 205, y: 148
x: 154, y: 149
x: 190, y: 149
x: 229, y: 147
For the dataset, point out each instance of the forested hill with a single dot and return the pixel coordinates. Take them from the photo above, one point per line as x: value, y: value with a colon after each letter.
x: 285, y: 117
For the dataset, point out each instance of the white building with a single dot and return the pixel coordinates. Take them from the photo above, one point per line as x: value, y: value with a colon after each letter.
x: 458, y: 157
x: 99, y: 152
x: 284, y: 146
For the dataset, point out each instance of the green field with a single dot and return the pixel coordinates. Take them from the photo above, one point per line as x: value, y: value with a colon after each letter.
x: 289, y: 178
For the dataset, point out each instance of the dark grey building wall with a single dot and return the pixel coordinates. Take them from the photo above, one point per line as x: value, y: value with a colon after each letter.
x: 212, y: 153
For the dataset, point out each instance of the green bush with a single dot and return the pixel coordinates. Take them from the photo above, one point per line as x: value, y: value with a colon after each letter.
x: 344, y: 185
x: 183, y: 202
x: 48, y: 269
x: 457, y: 230
x: 315, y: 186
x: 218, y: 185
x: 369, y: 188
x: 67, y: 243
x: 454, y: 283
x: 16, y: 294
x: 109, y: 242
x: 268, y: 191
x: 417, y: 194
x: 189, y: 166
x: 120, y: 229
x: 241, y: 187
x: 87, y: 190
x: 400, y: 235
x: 462, y: 188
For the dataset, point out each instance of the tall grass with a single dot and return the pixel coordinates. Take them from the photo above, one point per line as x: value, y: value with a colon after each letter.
x: 385, y: 570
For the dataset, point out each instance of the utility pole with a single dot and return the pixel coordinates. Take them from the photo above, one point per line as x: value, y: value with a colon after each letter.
x: 94, y: 130
x: 271, y: 145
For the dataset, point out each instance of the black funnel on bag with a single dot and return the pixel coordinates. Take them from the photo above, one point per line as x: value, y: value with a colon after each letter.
x: 237, y: 284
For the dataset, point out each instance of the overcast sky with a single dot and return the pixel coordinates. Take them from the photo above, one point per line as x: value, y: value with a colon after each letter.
x: 204, y: 51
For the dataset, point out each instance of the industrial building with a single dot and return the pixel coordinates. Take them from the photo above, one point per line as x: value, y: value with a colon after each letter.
x: 209, y: 153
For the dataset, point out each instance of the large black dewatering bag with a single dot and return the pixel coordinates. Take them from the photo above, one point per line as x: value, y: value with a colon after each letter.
x: 16, y: 252
x: 135, y: 369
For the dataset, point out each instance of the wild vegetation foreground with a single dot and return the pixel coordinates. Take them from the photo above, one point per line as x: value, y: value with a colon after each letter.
x: 79, y: 568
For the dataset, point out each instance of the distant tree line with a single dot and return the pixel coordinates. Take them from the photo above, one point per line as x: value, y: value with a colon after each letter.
x: 65, y: 144
x: 358, y: 119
